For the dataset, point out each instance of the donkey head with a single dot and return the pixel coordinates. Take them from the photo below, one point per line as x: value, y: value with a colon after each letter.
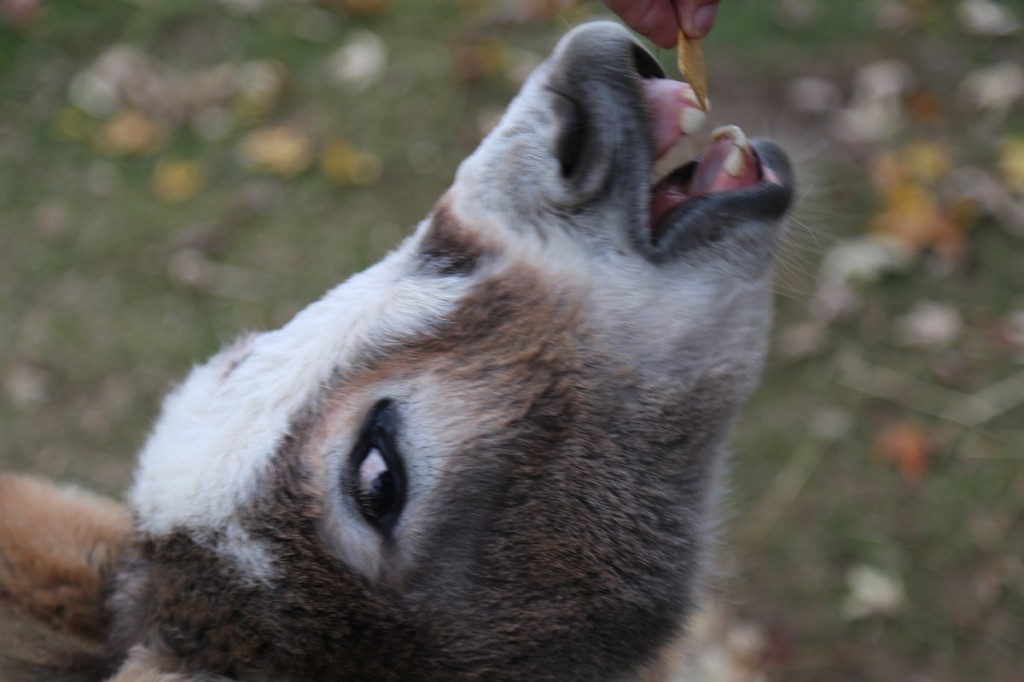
x: 493, y: 454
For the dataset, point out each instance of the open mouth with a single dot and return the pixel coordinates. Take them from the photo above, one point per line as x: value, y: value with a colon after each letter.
x: 730, y: 164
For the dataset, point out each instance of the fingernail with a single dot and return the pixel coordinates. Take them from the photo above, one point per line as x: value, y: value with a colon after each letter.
x: 702, y: 21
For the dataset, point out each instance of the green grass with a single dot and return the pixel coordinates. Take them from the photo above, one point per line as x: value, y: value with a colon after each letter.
x: 93, y: 317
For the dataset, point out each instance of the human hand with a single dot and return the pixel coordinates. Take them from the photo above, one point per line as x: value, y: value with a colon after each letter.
x: 660, y: 20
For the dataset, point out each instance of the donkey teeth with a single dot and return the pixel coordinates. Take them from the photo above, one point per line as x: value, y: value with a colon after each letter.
x: 690, y: 97
x: 737, y: 157
x: 734, y: 133
x: 735, y: 162
x: 691, y: 120
x: 693, y: 115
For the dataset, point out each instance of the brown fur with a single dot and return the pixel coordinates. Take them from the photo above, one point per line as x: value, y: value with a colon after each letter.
x: 449, y: 248
x: 57, y: 549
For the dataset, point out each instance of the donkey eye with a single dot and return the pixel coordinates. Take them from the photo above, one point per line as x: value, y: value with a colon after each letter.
x: 376, y: 493
x: 376, y: 476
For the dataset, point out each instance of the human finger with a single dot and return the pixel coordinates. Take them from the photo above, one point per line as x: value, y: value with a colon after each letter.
x: 696, y: 16
x: 654, y: 19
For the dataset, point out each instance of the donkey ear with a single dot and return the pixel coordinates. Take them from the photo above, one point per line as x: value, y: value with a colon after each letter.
x: 58, y: 548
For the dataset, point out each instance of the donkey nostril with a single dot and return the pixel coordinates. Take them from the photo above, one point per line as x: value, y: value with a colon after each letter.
x: 572, y: 135
x: 645, y: 64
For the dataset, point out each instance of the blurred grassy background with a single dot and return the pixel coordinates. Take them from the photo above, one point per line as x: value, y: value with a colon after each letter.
x: 172, y: 174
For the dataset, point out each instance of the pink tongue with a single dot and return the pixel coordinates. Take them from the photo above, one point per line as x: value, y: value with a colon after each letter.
x: 711, y: 176
x: 664, y: 104
x: 708, y: 177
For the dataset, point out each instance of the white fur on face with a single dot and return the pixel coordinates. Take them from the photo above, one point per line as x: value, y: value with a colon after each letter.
x: 219, y: 430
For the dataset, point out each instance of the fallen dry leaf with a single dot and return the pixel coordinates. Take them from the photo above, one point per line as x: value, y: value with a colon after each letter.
x: 863, y: 259
x: 1011, y: 162
x: 724, y: 649
x: 284, y: 150
x: 813, y: 95
x: 987, y: 18
x: 905, y: 444
x: 925, y: 107
x: 690, y: 61
x: 931, y: 325
x: 912, y: 211
x: 868, y: 122
x: 259, y: 86
x: 360, y: 63
x: 125, y: 77
x: 26, y: 386
x: 995, y: 88
x: 342, y: 164
x: 876, y: 109
x: 881, y: 79
x: 130, y: 132
x: 177, y: 180
x: 103, y: 86
x: 925, y: 162
x: 872, y: 592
